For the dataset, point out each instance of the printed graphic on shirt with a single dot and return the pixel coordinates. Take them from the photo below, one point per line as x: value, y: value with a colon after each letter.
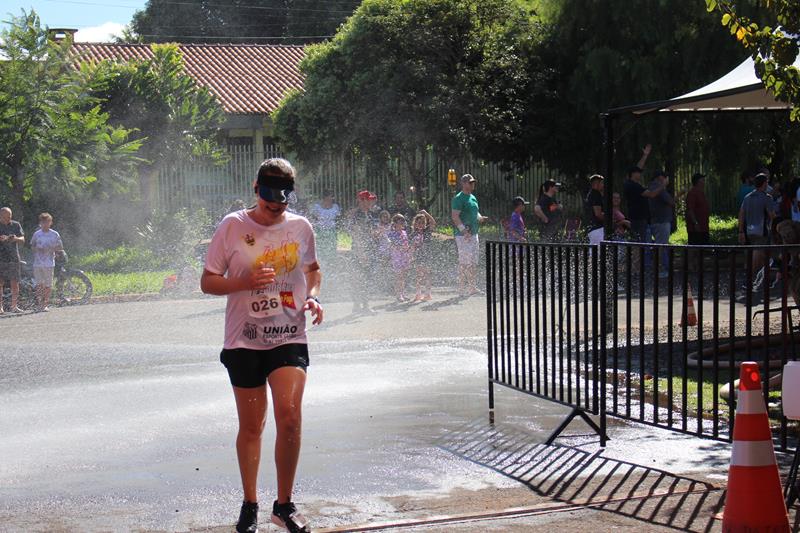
x: 277, y: 334
x: 283, y: 259
x: 268, y: 317
x: 287, y: 299
x: 250, y: 331
x: 270, y: 302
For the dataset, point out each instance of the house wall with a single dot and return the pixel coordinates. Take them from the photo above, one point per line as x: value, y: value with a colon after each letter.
x: 253, y: 128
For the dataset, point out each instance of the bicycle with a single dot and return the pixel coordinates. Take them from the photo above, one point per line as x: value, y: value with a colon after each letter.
x: 70, y: 287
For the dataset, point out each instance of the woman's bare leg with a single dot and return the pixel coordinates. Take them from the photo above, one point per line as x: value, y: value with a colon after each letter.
x: 287, y: 384
x: 251, y: 406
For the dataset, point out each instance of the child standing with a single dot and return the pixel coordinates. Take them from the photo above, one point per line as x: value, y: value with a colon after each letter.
x: 45, y: 243
x: 421, y: 230
x: 400, y: 255
x: 516, y: 227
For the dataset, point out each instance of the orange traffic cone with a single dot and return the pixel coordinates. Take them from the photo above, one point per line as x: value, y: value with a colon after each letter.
x: 754, y: 502
x: 689, y: 314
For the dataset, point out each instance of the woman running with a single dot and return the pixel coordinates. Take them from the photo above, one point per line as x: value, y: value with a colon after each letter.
x: 264, y: 260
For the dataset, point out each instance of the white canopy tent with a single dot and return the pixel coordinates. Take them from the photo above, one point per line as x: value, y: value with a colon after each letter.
x: 740, y: 90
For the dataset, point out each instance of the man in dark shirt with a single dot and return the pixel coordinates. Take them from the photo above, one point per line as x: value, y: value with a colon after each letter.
x: 638, y: 210
x: 637, y: 197
x: 593, y: 209
x: 11, y: 236
x: 661, y: 207
x: 548, y: 211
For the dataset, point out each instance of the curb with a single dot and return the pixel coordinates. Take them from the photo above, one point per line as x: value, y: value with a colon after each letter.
x: 143, y: 297
x: 155, y: 296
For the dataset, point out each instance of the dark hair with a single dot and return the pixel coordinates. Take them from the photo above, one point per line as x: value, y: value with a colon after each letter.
x: 634, y: 170
x: 276, y: 166
x: 697, y: 177
x: 327, y: 192
x: 759, y: 180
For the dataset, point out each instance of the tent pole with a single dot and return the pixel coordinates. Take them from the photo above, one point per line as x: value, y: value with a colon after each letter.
x: 608, y: 140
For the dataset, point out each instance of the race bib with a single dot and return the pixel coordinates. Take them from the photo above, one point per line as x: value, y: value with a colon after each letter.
x: 264, y: 304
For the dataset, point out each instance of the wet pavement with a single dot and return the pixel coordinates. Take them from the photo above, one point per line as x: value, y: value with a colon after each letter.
x: 119, y: 417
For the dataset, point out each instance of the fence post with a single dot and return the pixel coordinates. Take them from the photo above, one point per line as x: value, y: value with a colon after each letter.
x: 489, y: 325
x: 602, y: 250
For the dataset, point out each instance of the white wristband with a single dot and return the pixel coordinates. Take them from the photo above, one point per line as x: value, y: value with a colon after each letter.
x: 461, y: 227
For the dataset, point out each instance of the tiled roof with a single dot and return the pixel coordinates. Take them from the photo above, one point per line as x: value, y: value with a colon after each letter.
x: 246, y: 78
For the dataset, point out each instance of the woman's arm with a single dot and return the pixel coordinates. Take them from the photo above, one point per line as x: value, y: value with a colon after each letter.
x: 313, y: 282
x: 259, y: 278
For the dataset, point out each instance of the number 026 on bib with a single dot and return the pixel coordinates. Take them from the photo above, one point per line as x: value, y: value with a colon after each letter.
x: 264, y: 304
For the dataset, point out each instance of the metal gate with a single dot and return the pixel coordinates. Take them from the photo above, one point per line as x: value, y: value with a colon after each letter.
x: 649, y: 333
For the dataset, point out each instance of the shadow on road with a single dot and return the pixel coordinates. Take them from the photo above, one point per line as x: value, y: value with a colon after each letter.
x: 444, y: 303
x: 572, y: 475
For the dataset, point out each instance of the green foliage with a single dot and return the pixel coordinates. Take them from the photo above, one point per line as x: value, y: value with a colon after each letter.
x: 238, y: 21
x: 614, y: 54
x: 463, y: 76
x: 164, y: 241
x: 773, y: 48
x: 122, y: 259
x: 722, y: 230
x: 173, y: 238
x: 156, y: 97
x: 53, y: 134
x: 128, y: 283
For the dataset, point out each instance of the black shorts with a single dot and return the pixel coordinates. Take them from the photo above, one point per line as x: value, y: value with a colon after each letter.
x: 249, y: 369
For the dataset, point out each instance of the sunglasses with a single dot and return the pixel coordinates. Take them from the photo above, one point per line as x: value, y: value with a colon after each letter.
x: 268, y: 194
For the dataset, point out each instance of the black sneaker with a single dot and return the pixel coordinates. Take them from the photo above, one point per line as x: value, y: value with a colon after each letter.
x: 248, y: 518
x: 286, y: 516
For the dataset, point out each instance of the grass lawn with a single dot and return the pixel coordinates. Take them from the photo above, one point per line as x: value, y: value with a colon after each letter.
x: 692, y: 394
x: 722, y: 230
x: 129, y: 283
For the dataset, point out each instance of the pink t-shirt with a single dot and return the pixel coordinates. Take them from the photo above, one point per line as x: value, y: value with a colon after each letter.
x: 264, y: 319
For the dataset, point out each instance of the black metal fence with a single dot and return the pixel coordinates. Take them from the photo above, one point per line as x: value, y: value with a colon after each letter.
x: 649, y: 333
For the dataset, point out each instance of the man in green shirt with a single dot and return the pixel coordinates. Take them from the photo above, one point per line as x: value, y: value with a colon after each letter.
x: 466, y: 219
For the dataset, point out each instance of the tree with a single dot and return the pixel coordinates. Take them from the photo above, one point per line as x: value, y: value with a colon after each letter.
x: 177, y: 120
x: 53, y: 133
x: 610, y: 54
x: 461, y: 76
x: 239, y: 21
x: 773, y: 48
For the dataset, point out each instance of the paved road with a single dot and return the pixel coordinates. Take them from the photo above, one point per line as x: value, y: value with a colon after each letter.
x: 119, y: 417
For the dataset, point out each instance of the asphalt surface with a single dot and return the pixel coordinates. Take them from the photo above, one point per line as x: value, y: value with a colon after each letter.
x: 119, y: 417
